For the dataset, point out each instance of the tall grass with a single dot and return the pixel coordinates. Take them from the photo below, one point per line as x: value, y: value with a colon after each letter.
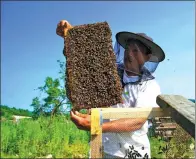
x: 60, y: 137
x: 37, y: 138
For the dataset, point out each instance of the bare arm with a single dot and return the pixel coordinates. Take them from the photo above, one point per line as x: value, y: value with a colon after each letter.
x: 82, y: 121
x: 123, y: 125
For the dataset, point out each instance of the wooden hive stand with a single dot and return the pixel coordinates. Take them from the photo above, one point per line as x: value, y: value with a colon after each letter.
x: 179, y: 108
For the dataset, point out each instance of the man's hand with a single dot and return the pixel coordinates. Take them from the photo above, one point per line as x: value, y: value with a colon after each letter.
x: 82, y: 121
x: 62, y: 27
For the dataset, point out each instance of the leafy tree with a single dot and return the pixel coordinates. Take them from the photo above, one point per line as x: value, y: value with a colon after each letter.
x: 38, y: 109
x: 55, y: 95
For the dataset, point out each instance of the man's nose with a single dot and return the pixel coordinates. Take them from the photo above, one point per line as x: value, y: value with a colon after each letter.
x: 130, y: 53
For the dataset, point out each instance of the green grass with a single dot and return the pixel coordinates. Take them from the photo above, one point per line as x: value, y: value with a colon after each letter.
x: 155, y: 143
x: 36, y: 138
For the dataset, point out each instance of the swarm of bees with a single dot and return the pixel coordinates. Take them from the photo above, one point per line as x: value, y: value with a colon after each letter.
x: 92, y: 77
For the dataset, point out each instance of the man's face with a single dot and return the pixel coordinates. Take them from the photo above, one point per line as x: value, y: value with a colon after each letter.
x: 135, y: 55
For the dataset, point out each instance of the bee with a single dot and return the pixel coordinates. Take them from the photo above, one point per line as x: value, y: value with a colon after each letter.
x: 92, y: 79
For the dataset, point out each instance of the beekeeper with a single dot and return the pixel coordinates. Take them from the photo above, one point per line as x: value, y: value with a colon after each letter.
x: 137, y: 58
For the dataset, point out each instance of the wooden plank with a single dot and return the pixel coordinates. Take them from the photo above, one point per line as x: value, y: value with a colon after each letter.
x: 117, y: 113
x: 167, y: 124
x: 180, y: 109
x: 96, y: 134
x: 166, y: 128
x: 168, y: 136
x: 158, y: 122
x: 95, y: 122
x: 167, y: 117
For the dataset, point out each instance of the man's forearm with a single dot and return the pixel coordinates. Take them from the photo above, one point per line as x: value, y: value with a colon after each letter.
x: 123, y: 125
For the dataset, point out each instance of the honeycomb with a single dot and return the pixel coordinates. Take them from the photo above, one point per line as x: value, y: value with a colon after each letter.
x: 92, y: 77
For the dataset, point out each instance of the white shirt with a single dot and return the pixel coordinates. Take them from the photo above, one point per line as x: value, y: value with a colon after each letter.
x: 134, y: 95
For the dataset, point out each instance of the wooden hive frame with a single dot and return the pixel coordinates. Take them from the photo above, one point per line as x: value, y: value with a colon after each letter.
x: 170, y: 105
x: 91, y: 71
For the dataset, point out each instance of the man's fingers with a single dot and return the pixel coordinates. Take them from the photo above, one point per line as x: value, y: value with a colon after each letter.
x: 73, y: 117
x: 76, y: 119
x: 80, y: 114
x: 62, y: 22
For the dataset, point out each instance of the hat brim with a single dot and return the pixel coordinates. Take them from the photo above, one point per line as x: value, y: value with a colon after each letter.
x: 123, y: 37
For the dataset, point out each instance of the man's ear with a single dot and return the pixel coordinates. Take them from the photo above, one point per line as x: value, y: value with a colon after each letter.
x: 148, y: 57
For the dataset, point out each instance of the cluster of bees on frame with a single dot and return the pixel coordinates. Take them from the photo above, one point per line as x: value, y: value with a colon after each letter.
x: 92, y: 77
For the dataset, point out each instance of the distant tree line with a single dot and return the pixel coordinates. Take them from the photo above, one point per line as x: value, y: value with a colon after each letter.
x: 7, y: 112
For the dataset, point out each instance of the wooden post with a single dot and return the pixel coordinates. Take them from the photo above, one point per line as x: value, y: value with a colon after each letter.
x: 96, y: 134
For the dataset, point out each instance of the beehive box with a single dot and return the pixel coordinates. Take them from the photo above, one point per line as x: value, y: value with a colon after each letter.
x: 92, y: 77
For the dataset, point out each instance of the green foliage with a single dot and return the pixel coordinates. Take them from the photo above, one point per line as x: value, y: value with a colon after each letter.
x: 54, y: 95
x: 34, y: 138
x: 37, y: 138
x: 8, y: 112
x: 155, y: 144
x: 179, y: 145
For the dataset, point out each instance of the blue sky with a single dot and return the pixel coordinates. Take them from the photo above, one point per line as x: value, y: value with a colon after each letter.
x: 30, y: 46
